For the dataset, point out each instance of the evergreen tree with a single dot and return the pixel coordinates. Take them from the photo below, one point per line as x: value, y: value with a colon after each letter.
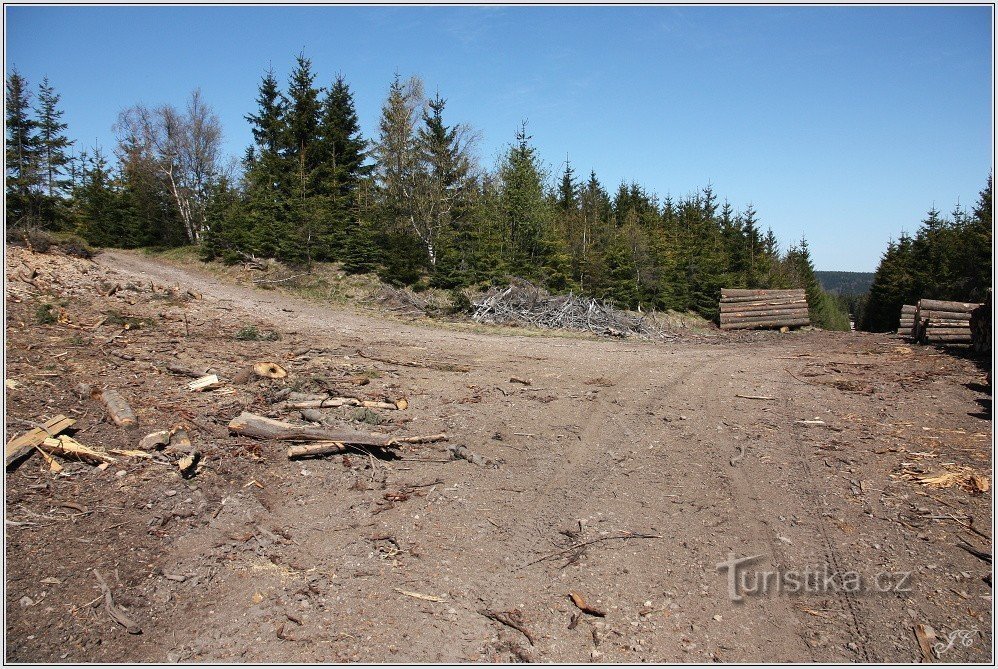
x: 23, y: 178
x: 442, y: 193
x: 342, y: 151
x: 568, y: 189
x: 529, y: 249
x: 52, y: 142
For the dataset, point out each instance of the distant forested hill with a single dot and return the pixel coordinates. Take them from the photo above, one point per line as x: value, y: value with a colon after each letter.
x: 845, y: 283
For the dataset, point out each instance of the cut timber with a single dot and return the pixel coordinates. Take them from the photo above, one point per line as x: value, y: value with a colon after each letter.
x: 755, y: 315
x: 318, y: 448
x: 69, y: 447
x: 259, y: 427
x: 20, y: 446
x: 757, y: 300
x: 121, y: 413
x: 177, y: 368
x: 945, y: 315
x: 760, y: 292
x: 336, y: 402
x: 762, y: 306
x: 766, y: 324
x: 269, y: 370
x: 908, y: 308
x: 932, y: 331
x: 251, y: 425
x: 209, y: 382
x: 943, y: 305
x: 773, y: 316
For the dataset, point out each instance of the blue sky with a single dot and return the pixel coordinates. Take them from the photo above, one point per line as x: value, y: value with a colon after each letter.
x: 843, y: 124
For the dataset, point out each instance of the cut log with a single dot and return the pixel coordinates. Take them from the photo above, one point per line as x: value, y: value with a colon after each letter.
x: 121, y: 413
x: 792, y: 312
x: 940, y: 331
x: 944, y: 315
x: 773, y: 316
x: 23, y: 445
x: 908, y: 308
x: 318, y: 448
x: 335, y: 402
x: 946, y: 323
x: 765, y: 324
x: 177, y: 368
x: 269, y: 370
x: 943, y: 305
x: 251, y: 425
x: 962, y: 338
x: 760, y: 292
x: 762, y: 306
x: 259, y: 427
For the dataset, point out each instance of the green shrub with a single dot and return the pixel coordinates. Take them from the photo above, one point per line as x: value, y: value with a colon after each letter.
x: 45, y: 314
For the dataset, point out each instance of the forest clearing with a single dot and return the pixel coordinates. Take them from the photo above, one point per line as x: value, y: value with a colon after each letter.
x: 510, y: 494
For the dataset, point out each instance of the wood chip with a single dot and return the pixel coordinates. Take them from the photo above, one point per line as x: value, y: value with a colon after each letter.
x: 584, y: 606
x: 419, y: 595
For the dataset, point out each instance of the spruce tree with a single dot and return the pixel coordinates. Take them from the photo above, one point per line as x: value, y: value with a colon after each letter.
x: 52, y: 141
x: 23, y: 178
x: 342, y: 151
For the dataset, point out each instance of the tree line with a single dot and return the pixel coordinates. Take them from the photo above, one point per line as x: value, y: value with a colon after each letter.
x: 948, y: 258
x: 414, y: 204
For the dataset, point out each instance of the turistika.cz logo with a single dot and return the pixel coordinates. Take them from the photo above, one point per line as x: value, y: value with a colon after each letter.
x: 819, y: 580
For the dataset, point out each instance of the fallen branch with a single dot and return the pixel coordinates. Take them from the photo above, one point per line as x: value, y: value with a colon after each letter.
x: 512, y: 619
x: 113, y: 610
x: 258, y: 427
x: 575, y: 547
x: 441, y: 366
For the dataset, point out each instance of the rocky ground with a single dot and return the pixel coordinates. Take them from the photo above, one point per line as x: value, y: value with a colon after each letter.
x: 624, y: 472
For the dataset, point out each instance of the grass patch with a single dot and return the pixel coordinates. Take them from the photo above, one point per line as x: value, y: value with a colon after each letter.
x: 253, y: 333
x: 126, y: 321
x: 46, y: 314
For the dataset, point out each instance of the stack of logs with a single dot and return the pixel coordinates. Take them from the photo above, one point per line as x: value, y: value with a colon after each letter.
x: 980, y: 327
x: 907, y: 322
x: 743, y: 308
x: 942, y: 322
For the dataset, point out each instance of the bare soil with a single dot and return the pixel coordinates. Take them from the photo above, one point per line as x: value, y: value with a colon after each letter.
x: 625, y: 472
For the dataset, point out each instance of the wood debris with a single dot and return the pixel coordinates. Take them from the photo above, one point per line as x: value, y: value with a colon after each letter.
x: 209, y: 382
x: 963, y: 477
x: 69, y: 447
x: 926, y: 637
x: 512, y: 619
x: 419, y: 595
x: 116, y: 613
x: 585, y: 606
x: 523, y: 303
x: 251, y: 425
x: 119, y: 410
x: 23, y: 445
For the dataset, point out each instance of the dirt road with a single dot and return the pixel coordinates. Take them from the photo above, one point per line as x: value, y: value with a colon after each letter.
x: 626, y: 472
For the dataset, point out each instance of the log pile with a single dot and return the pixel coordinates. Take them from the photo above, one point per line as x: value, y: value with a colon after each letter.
x: 907, y: 322
x: 743, y: 308
x: 943, y: 322
x: 980, y: 328
x: 522, y: 303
